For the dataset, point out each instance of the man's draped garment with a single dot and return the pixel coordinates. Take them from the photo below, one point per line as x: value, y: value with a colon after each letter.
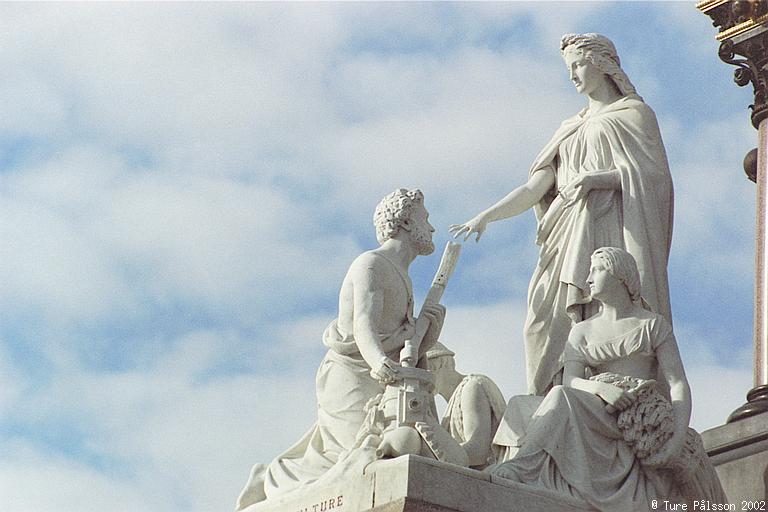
x: 343, y: 385
x: 624, y: 136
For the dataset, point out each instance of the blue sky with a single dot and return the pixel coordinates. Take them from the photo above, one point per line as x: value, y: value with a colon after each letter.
x: 182, y: 187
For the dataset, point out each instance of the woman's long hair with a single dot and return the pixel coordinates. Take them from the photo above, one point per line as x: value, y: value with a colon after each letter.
x: 600, y: 51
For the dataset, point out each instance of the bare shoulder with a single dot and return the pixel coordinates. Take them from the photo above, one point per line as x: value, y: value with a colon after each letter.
x: 369, y: 268
x: 580, y: 330
x: 366, y: 259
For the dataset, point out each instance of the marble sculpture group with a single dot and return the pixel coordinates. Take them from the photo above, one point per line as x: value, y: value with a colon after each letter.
x: 606, y: 418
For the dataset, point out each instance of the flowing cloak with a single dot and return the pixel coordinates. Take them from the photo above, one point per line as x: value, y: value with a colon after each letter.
x: 624, y: 137
x: 343, y: 386
x: 453, y: 418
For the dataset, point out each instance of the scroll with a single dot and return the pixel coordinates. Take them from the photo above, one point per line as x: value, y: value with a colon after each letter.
x: 412, y: 350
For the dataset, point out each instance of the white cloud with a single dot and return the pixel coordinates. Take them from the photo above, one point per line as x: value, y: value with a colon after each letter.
x: 35, y: 480
x: 83, y: 227
x: 49, y: 265
x: 176, y: 438
x: 13, y: 382
x: 718, y: 384
x: 205, y: 238
x: 204, y: 103
x: 714, y: 206
x: 471, y: 106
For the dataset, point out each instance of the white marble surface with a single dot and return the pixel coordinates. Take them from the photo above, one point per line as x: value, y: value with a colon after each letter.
x: 602, y: 180
x: 608, y: 435
x: 423, y: 481
x: 739, y: 451
x: 365, y: 340
x: 475, y: 406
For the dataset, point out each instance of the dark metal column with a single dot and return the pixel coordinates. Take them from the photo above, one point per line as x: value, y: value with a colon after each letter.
x: 744, y: 43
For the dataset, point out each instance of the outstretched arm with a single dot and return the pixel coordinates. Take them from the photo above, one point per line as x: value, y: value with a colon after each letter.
x: 514, y: 203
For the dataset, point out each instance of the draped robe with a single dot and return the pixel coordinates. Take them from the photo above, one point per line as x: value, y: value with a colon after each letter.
x: 624, y: 136
x: 574, y: 446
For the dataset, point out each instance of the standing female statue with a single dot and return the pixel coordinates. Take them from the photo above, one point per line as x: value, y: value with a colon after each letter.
x: 603, y: 180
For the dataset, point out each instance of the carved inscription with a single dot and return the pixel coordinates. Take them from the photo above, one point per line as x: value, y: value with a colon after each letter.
x: 325, y: 505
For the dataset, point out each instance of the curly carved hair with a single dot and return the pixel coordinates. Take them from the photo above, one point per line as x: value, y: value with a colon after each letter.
x: 600, y: 51
x: 621, y: 265
x: 393, y: 210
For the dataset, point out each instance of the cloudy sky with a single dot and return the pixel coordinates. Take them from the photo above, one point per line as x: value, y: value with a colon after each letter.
x: 182, y: 187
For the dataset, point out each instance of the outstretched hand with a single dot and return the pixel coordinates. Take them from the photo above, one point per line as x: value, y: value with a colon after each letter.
x: 475, y: 225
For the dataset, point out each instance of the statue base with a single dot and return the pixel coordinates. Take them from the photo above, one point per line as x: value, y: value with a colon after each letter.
x: 739, y: 452
x: 416, y: 484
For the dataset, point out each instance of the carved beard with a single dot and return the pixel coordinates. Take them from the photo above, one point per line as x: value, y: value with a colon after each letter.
x: 422, y: 240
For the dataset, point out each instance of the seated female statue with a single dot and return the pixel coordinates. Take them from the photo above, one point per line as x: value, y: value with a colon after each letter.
x: 608, y: 435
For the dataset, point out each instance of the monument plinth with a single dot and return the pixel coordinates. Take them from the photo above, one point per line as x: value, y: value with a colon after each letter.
x: 739, y: 451
x: 418, y: 484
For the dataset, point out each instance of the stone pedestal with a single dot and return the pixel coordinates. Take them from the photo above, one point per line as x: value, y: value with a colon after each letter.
x: 739, y: 451
x: 416, y: 484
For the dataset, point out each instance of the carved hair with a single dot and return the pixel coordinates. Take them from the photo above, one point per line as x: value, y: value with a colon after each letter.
x: 621, y: 265
x: 600, y: 51
x: 393, y: 210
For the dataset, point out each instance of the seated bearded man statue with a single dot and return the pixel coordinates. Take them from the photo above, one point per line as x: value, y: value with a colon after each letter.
x: 364, y: 341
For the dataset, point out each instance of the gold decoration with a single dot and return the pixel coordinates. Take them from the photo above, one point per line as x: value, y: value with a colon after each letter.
x: 741, y: 27
x: 707, y: 5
